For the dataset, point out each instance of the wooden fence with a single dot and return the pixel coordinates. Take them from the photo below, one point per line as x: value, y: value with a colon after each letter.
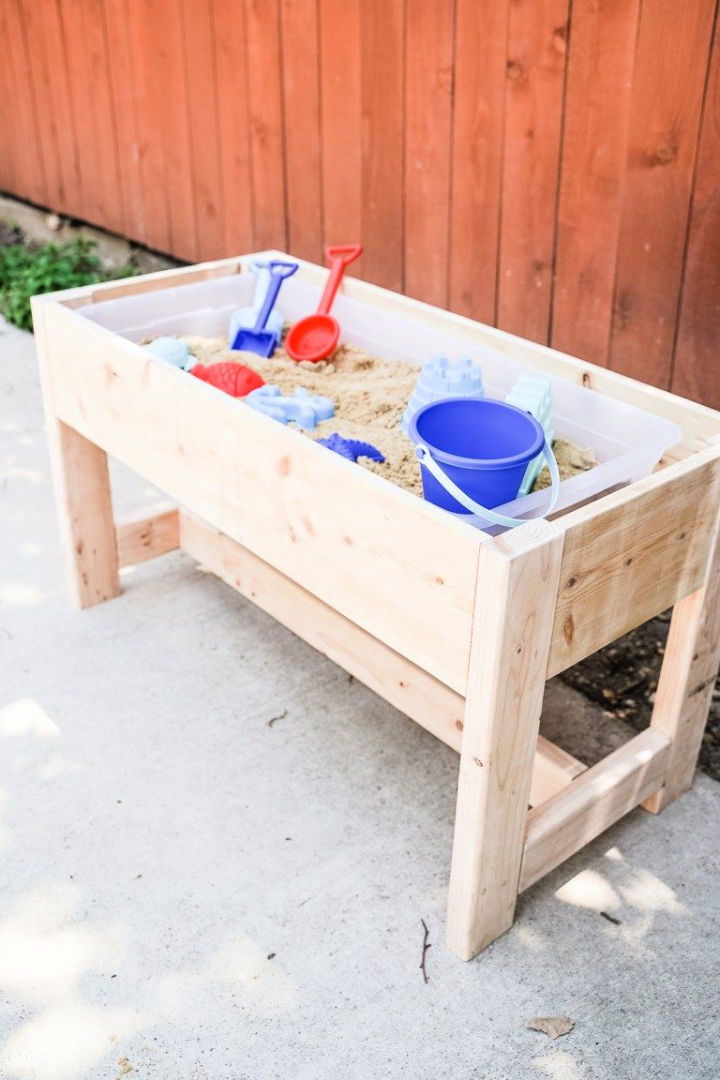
x: 550, y: 166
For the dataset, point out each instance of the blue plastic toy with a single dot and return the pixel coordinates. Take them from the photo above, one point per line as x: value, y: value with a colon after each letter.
x: 351, y: 449
x: 533, y: 394
x: 306, y: 409
x: 173, y: 351
x: 482, y: 446
x: 473, y: 454
x: 244, y: 317
x: 442, y: 378
x: 259, y: 340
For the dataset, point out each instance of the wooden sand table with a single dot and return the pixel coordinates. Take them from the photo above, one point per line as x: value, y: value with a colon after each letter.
x: 370, y: 395
x: 458, y: 630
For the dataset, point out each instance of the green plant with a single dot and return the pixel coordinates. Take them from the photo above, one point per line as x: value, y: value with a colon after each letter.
x: 26, y: 270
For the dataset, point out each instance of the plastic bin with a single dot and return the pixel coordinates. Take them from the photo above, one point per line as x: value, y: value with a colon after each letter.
x: 627, y: 441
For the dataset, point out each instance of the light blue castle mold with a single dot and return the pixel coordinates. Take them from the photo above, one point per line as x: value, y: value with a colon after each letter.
x: 442, y: 378
x: 306, y: 409
x: 533, y: 394
x: 173, y: 351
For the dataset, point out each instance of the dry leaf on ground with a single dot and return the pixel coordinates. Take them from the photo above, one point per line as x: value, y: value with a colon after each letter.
x: 554, y: 1026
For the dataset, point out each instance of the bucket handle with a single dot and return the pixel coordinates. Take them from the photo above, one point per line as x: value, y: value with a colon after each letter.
x: 428, y: 462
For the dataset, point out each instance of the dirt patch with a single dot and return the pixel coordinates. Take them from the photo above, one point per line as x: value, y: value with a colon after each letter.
x: 623, y: 677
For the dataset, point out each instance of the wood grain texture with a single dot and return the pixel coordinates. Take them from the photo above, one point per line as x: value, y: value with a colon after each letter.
x: 341, y: 120
x: 10, y: 176
x: 515, y: 599
x: 383, y: 63
x: 265, y: 104
x: 203, y: 104
x: 301, y: 105
x: 232, y: 60
x: 81, y: 483
x: 86, y: 51
x: 592, y: 803
x: 534, y: 82
x: 632, y: 560
x: 695, y: 372
x: 147, y: 534
x: 208, y: 451
x: 121, y: 75
x: 170, y: 66
x: 428, y: 122
x: 50, y: 77
x: 445, y: 137
x: 478, y: 115
x: 687, y: 680
x: 597, y: 115
x: 146, y: 34
x: 668, y: 85
x: 30, y: 172
x: 411, y: 598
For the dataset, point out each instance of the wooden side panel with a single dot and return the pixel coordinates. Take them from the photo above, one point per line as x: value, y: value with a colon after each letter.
x: 670, y: 71
x: 211, y: 452
x: 535, y: 76
x: 428, y: 112
x: 696, y: 372
x: 479, y: 103
x: 406, y: 686
x: 383, y: 35
x: 597, y: 114
x: 635, y: 559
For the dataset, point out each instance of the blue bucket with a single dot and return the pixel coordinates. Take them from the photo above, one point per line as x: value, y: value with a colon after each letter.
x: 482, y: 446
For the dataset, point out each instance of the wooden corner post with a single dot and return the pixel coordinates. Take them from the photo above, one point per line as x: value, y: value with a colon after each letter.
x: 516, y: 594
x: 687, y: 679
x: 82, y: 492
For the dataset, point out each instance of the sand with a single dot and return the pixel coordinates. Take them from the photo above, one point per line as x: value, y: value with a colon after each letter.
x: 370, y: 395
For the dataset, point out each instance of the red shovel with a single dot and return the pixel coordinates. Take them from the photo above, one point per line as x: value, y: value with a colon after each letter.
x: 316, y: 336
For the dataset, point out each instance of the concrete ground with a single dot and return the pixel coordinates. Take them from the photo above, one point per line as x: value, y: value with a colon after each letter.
x: 191, y: 891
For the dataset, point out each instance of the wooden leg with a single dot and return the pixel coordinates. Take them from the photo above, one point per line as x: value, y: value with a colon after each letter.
x: 515, y: 602
x: 84, y: 505
x: 687, y: 679
x: 82, y: 495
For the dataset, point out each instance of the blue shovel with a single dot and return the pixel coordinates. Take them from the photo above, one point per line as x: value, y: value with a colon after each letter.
x: 259, y: 340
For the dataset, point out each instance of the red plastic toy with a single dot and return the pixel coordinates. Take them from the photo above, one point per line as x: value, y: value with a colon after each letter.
x: 316, y: 336
x: 235, y: 379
